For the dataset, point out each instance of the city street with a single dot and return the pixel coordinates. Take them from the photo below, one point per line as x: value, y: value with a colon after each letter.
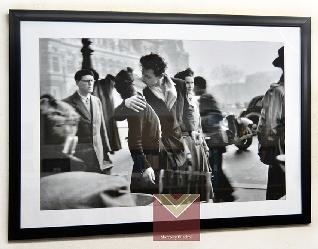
x: 246, y: 173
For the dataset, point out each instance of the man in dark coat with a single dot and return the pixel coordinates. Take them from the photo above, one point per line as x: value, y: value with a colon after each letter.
x: 93, y: 145
x: 170, y: 104
x: 271, y: 133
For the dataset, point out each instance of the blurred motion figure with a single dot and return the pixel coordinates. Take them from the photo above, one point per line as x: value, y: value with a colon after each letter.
x: 211, y: 117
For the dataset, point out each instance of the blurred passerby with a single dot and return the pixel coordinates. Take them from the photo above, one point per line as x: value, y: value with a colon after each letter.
x: 210, y: 118
x: 59, y: 123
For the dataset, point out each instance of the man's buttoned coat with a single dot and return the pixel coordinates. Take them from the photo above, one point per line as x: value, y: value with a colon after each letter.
x: 91, y: 127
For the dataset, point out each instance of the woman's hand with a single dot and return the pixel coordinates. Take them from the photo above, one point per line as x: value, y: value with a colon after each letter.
x: 149, y: 174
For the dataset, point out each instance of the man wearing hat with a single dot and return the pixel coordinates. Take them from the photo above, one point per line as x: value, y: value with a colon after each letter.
x: 271, y: 133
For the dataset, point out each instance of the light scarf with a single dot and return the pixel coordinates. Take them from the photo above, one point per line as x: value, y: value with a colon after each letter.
x: 169, y: 95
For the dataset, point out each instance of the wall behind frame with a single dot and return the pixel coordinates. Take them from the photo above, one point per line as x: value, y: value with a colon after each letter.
x: 253, y: 238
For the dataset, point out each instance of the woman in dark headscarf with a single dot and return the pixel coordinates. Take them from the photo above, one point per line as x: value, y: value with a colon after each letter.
x: 143, y: 137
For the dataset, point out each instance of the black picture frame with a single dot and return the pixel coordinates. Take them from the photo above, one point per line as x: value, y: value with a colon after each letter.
x: 15, y: 232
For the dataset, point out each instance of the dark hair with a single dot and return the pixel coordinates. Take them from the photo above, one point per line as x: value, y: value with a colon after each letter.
x: 96, y: 75
x: 185, y: 73
x: 154, y: 62
x: 200, y: 82
x: 79, y: 74
x: 123, y: 83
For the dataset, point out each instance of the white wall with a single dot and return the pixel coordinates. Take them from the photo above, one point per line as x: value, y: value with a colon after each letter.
x: 253, y: 238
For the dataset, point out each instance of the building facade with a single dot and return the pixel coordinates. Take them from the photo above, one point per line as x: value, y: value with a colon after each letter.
x: 61, y: 58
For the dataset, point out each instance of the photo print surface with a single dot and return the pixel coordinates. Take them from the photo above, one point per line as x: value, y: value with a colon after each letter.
x: 202, y: 116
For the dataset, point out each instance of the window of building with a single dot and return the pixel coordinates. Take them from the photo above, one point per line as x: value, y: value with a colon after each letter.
x: 70, y: 65
x: 55, y: 64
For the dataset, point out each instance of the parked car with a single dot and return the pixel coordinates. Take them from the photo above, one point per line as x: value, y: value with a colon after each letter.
x: 253, y: 110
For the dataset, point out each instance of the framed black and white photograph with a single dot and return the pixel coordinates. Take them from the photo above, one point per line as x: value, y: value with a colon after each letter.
x: 109, y: 108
